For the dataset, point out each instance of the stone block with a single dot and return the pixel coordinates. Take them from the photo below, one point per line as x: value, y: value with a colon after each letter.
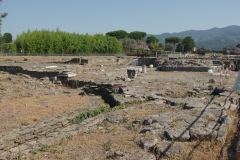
x: 148, y: 143
x: 177, y: 134
x: 132, y: 73
x: 222, y: 133
x: 170, y: 148
x: 233, y: 107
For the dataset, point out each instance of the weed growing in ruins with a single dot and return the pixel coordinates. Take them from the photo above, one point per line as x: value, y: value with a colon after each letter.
x: 208, y: 121
x: 130, y: 126
x: 197, y: 110
x: 102, y: 109
x: 134, y: 138
x: 91, y: 113
x: 19, y: 157
x: 183, y: 105
x: 33, y: 152
x: 104, y: 123
x: 217, y: 104
x: 88, y: 131
x: 191, y: 93
x: 44, y: 148
x: 149, y: 98
x: 177, y: 119
x: 107, y: 146
x: 227, y: 144
x: 109, y: 130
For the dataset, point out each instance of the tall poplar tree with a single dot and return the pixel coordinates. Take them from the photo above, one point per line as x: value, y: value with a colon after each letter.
x: 3, y: 15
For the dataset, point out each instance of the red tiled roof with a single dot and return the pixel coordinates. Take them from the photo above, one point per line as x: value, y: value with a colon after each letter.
x: 143, y: 45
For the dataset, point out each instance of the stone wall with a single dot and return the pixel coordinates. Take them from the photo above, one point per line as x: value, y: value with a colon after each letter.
x: 146, y: 61
x: 36, y: 74
x: 25, y: 139
x: 184, y: 68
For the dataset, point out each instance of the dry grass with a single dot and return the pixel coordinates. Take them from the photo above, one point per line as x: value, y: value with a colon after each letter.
x: 24, y: 107
x: 23, y: 111
x: 104, y: 139
x: 97, y: 143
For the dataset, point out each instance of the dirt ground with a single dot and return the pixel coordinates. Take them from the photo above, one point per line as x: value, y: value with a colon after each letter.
x: 24, y: 100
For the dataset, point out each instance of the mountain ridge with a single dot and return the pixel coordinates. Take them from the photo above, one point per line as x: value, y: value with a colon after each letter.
x: 214, y: 38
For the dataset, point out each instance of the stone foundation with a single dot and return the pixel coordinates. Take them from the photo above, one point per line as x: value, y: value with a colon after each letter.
x: 184, y: 68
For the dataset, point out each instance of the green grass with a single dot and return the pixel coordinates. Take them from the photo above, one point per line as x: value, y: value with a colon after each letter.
x: 44, y: 148
x: 102, y: 109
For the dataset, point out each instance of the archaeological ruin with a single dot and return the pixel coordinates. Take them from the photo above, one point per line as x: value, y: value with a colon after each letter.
x: 167, y: 102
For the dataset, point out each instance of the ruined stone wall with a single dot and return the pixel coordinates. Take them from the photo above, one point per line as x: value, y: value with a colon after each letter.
x: 36, y: 74
x: 146, y: 61
x: 184, y: 68
x: 81, y: 83
x: 25, y: 139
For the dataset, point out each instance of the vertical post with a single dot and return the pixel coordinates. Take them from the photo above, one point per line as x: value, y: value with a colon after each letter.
x: 221, y: 77
x: 144, y: 69
x: 227, y: 71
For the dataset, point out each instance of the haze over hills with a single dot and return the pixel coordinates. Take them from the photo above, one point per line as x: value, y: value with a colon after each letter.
x: 215, y: 38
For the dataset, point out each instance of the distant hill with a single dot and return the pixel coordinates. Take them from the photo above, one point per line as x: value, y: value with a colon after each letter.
x: 215, y: 38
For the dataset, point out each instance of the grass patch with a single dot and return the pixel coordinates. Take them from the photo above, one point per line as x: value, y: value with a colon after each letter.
x: 44, y: 148
x: 183, y: 105
x: 90, y: 113
x: 107, y: 146
x: 100, y: 110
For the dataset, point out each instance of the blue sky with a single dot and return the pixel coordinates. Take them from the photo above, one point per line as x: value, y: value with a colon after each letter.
x: 101, y: 16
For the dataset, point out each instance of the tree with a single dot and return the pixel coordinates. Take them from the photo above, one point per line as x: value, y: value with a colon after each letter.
x: 188, y: 43
x: 173, y: 40
x: 3, y: 15
x: 161, y: 46
x: 137, y: 35
x: 151, y: 39
x: 201, y: 50
x: 50, y: 42
x: 153, y: 46
x: 129, y: 44
x: 7, y: 37
x: 180, y: 47
x: 238, y: 45
x: 169, y: 47
x: 119, y: 34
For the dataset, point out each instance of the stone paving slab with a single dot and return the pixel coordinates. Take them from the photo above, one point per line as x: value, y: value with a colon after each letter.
x: 237, y: 83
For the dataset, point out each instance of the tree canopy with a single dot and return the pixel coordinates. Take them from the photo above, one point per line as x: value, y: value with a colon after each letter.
x: 129, y: 44
x: 7, y: 38
x: 3, y: 15
x: 188, y: 44
x: 161, y: 46
x: 48, y: 42
x: 151, y: 39
x: 137, y: 35
x: 173, y: 40
x: 169, y: 47
x: 119, y: 34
